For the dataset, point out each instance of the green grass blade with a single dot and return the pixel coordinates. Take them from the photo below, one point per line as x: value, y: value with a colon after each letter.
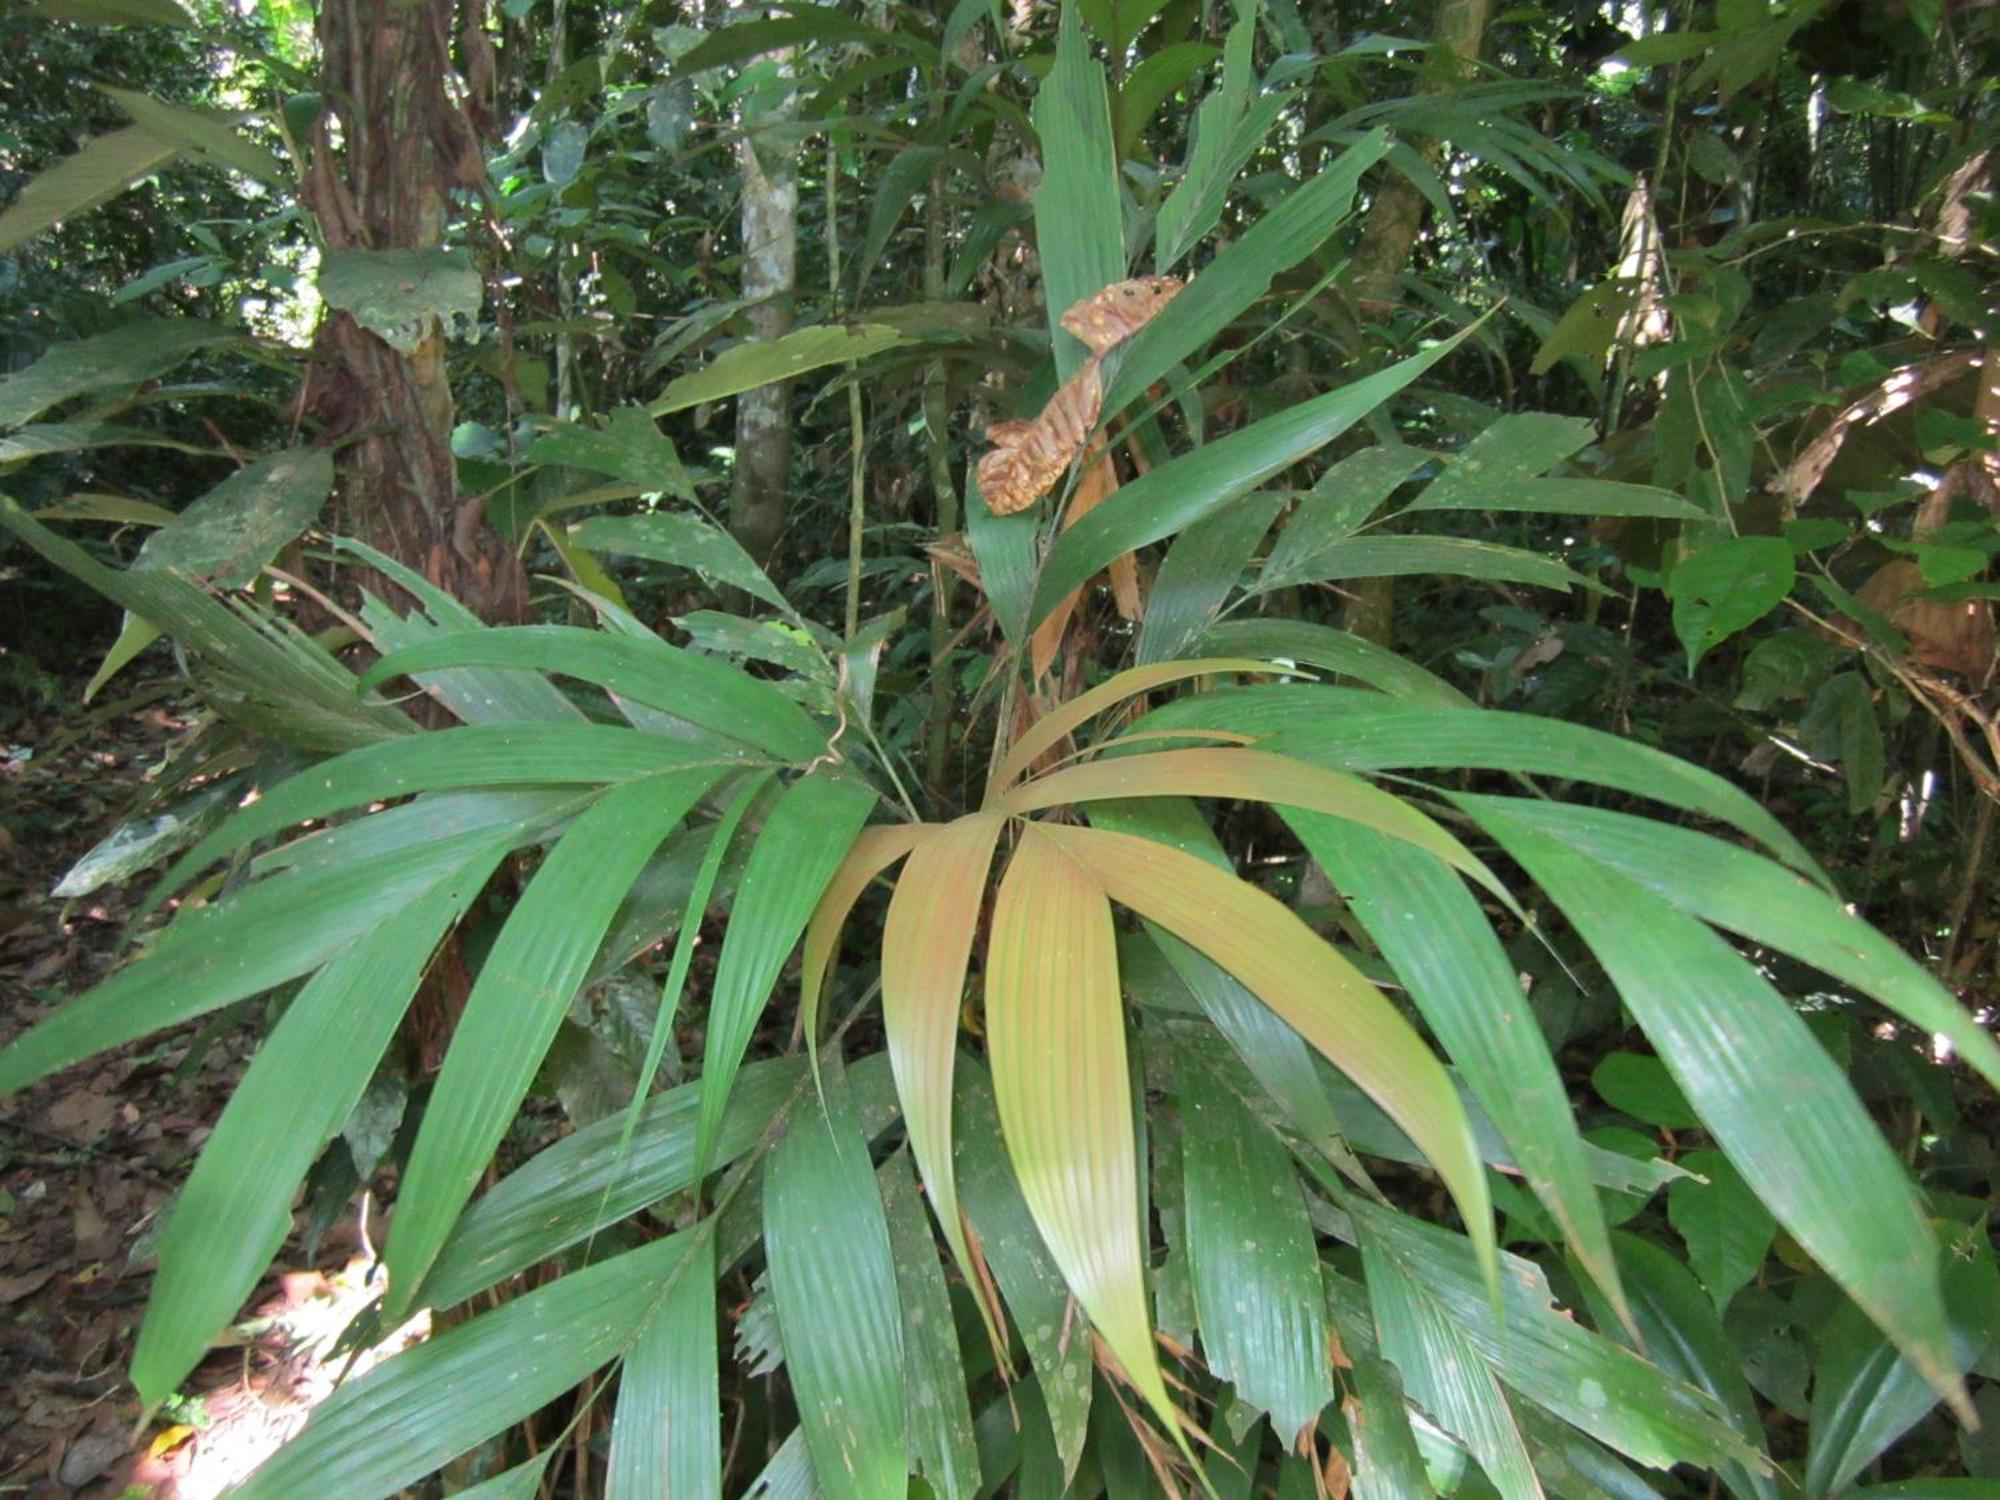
x: 800, y: 846
x: 1777, y: 1104
x: 533, y: 969
x: 1543, y: 1355
x: 833, y: 1279
x: 666, y: 1435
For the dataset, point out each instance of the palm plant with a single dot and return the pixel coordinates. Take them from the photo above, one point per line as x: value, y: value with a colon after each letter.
x: 1195, y: 1173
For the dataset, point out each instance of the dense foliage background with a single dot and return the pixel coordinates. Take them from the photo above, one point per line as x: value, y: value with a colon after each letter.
x: 1597, y: 408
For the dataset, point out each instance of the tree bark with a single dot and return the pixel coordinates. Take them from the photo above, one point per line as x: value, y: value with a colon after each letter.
x: 393, y: 143
x: 1389, y: 237
x: 760, y: 489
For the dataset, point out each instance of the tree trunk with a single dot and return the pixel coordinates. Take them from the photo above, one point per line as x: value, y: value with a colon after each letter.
x: 1389, y: 236
x: 392, y: 144
x: 760, y: 492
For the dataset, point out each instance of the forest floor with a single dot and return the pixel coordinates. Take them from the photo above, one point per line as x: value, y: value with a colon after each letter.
x: 90, y: 1158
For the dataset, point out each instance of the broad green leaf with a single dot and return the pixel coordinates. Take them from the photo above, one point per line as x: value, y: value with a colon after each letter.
x: 1840, y: 725
x: 1737, y: 1049
x: 114, y: 12
x: 1247, y: 774
x: 523, y: 991
x: 1865, y: 1395
x: 588, y: 1180
x: 227, y: 536
x: 1176, y: 494
x: 1588, y: 326
x: 85, y: 506
x: 1494, y: 488
x: 236, y: 1209
x: 400, y: 296
x: 1256, y: 1268
x: 1229, y: 125
x: 265, y: 673
x: 145, y: 838
x: 1542, y: 1354
x: 1160, y: 75
x: 1444, y: 1373
x: 43, y: 438
x: 711, y: 694
x: 1201, y: 570
x: 1432, y: 932
x: 1358, y: 732
x: 685, y: 542
x: 1683, y: 1335
x: 1727, y: 586
x: 666, y: 1434
x: 1055, y: 1028
x: 801, y: 844
x: 383, y: 1431
x: 1728, y: 1232
x: 1642, y: 1087
x: 1342, y: 498
x: 1316, y: 991
x: 942, y: 1444
x: 833, y: 1279
x: 1079, y: 213
x: 1286, y: 642
x: 1057, y: 1337
x: 926, y: 947
x: 257, y: 938
x: 1451, y: 556
x: 1387, y: 1465
x: 111, y: 362
x: 804, y: 26
x: 750, y: 366
x: 629, y: 446
x: 212, y: 135
x: 522, y: 1482
x: 102, y: 170
x: 1517, y: 447
x: 472, y: 755
x: 1742, y: 892
x: 1293, y: 229
x: 1004, y: 547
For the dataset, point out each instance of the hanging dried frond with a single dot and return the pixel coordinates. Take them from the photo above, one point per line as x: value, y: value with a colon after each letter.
x: 1029, y: 457
x: 1106, y: 320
